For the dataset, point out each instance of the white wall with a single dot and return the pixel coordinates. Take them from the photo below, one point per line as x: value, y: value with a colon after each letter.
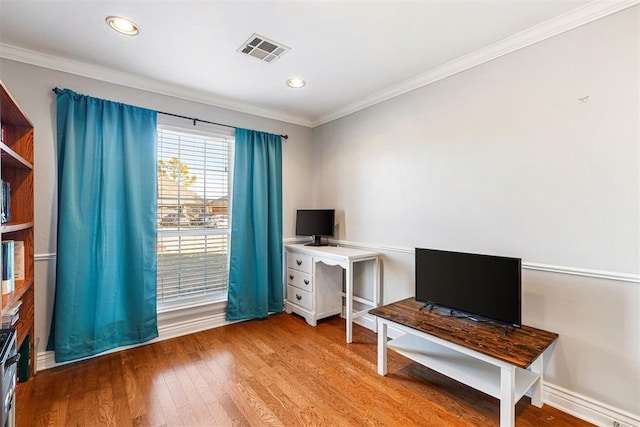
x: 505, y: 158
x: 31, y: 87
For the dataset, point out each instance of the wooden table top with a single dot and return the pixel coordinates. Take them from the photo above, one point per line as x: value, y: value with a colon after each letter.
x: 520, y: 347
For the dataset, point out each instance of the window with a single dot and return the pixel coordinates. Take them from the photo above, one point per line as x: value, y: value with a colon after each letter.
x: 194, y: 175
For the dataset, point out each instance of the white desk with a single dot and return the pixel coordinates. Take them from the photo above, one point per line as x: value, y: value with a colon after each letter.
x: 298, y: 254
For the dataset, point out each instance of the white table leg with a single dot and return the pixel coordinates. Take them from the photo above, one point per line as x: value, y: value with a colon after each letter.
x: 376, y: 286
x: 349, y: 294
x: 507, y: 396
x: 536, y: 390
x: 382, y: 347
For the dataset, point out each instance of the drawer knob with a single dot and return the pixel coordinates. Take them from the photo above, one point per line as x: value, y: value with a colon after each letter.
x: 299, y: 297
x: 299, y: 262
x: 306, y: 281
x: 291, y: 277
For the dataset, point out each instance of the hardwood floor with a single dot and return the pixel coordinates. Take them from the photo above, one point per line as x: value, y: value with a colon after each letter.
x: 278, y: 371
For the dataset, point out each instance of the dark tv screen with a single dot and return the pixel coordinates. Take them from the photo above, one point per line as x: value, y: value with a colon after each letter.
x: 315, y: 222
x: 488, y: 286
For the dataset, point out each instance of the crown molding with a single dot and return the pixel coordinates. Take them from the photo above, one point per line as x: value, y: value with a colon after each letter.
x: 137, y: 82
x: 583, y: 15
x: 580, y: 16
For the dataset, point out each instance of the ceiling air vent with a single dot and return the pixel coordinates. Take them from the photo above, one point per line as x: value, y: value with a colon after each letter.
x: 262, y: 48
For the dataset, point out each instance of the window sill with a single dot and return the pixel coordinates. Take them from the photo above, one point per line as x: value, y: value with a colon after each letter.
x: 193, y: 303
x: 190, y: 308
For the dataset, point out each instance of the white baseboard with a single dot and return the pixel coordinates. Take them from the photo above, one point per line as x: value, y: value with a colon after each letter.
x: 45, y: 359
x: 586, y: 408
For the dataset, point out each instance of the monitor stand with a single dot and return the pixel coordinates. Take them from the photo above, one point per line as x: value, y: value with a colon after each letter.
x: 317, y: 241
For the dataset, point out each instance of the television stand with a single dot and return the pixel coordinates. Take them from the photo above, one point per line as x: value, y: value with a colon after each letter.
x: 476, y: 354
x: 433, y: 308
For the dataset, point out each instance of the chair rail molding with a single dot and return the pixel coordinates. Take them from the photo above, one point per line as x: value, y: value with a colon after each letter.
x: 44, y: 257
x: 527, y: 265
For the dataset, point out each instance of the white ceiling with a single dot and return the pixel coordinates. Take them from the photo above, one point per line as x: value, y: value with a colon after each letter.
x: 352, y: 53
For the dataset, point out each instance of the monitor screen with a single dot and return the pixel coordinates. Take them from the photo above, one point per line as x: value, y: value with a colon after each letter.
x: 484, y: 285
x: 315, y: 222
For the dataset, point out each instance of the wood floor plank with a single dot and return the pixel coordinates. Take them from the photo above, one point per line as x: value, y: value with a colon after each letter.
x: 224, y: 408
x: 274, y: 372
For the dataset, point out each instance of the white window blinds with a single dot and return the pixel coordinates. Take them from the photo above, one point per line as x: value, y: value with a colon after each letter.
x: 194, y: 172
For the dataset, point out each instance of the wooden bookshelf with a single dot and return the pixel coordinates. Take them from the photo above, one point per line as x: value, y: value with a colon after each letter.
x: 16, y: 167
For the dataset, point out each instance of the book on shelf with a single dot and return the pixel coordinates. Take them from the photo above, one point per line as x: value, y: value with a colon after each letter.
x: 8, y: 275
x: 10, y: 323
x: 5, y: 206
x: 3, y: 136
x: 18, y: 259
x: 11, y: 315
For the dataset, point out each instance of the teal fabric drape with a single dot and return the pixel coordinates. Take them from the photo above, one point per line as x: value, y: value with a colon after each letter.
x: 255, y: 275
x: 106, y: 257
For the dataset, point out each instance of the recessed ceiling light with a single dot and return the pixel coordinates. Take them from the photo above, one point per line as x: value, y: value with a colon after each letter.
x: 296, y: 82
x: 123, y: 25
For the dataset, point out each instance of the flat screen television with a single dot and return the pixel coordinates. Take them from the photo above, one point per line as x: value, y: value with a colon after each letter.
x: 486, y: 286
x: 316, y: 223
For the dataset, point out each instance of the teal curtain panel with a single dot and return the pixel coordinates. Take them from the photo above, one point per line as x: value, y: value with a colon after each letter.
x: 106, y: 256
x: 255, y: 274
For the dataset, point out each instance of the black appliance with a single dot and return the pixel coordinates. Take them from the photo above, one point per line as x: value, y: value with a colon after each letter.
x: 9, y: 357
x: 487, y: 286
x: 315, y: 223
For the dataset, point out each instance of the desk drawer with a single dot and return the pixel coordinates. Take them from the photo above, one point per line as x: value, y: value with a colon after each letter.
x: 299, y: 262
x: 299, y: 279
x: 299, y: 297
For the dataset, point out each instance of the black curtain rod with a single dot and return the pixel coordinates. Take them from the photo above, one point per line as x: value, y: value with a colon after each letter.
x: 193, y: 119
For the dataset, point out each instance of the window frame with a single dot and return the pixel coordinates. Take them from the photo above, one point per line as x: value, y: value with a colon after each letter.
x: 171, y: 124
